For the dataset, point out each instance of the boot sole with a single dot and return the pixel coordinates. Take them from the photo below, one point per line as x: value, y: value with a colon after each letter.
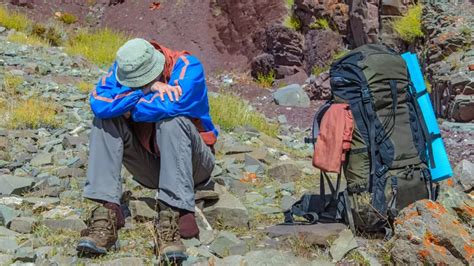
x: 86, y: 247
x: 173, y: 257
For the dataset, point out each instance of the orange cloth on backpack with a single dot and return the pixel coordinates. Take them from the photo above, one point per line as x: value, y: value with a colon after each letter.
x: 334, y: 138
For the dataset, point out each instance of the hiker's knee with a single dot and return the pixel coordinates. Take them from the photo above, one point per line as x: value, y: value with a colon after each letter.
x: 174, y: 126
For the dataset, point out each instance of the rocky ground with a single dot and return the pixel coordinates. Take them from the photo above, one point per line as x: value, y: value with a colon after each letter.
x: 42, y: 171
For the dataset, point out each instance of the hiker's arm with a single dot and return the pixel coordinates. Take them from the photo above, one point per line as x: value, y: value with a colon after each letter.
x: 188, y: 74
x: 110, y: 99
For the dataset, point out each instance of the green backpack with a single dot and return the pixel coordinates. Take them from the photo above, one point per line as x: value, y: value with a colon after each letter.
x: 386, y: 167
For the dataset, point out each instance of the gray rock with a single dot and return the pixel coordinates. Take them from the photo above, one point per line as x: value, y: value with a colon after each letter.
x: 342, y: 245
x: 7, y: 232
x: 285, y: 172
x: 464, y: 174
x: 25, y: 254
x: 122, y: 261
x: 289, y: 187
x: 223, y: 243
x: 206, y: 236
x: 44, y: 252
x: 315, y: 234
x: 50, y: 201
x: 193, y: 242
x: 7, y: 214
x: 70, y: 142
x: 70, y: 172
x: 23, y: 225
x: 63, y: 260
x: 227, y: 210
x: 141, y: 211
x: 274, y: 258
x: 287, y: 202
x: 70, y: 224
x: 6, y: 259
x: 456, y: 203
x: 201, y: 251
x: 42, y: 159
x: 14, y: 184
x: 292, y: 95
x: 8, y: 244
x: 253, y: 165
x: 282, y: 119
x: 230, y: 260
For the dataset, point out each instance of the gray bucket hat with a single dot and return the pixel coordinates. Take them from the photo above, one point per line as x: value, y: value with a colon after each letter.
x: 138, y: 63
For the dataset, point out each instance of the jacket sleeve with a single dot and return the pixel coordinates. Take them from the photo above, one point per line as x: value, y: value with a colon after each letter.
x: 188, y: 73
x: 110, y: 99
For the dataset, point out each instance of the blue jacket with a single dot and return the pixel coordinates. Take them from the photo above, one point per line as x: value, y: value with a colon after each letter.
x: 111, y: 99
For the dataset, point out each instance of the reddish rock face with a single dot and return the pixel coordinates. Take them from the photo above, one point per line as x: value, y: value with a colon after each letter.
x: 219, y: 32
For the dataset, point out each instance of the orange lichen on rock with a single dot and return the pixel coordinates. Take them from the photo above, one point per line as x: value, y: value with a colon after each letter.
x: 431, y: 241
x: 437, y: 209
x: 469, y: 251
x: 406, y: 217
x: 450, y: 182
x: 468, y: 210
x: 423, y: 254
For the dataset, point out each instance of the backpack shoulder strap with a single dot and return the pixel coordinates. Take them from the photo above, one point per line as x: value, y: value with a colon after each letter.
x: 318, y: 116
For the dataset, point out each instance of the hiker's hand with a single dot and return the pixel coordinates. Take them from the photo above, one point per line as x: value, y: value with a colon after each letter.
x: 163, y: 88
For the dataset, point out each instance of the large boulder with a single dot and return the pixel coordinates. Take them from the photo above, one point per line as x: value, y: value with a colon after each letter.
x: 14, y: 184
x: 426, y: 232
x: 228, y: 210
x: 462, y: 109
x: 292, y: 95
x: 285, y: 172
x: 320, y: 48
x: 464, y: 174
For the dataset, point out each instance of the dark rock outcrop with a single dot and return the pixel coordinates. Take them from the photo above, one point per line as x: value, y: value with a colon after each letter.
x: 320, y: 48
x: 364, y: 22
x: 318, y: 88
x: 335, y: 11
x: 286, y: 48
x: 449, y: 53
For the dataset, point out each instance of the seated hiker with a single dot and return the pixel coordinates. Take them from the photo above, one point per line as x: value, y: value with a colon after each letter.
x: 151, y: 115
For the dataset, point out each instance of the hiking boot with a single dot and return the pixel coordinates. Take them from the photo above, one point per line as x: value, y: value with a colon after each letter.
x: 101, y: 232
x: 169, y: 247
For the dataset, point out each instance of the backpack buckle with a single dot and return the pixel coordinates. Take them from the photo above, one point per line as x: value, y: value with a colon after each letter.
x: 382, y: 170
x: 365, y: 94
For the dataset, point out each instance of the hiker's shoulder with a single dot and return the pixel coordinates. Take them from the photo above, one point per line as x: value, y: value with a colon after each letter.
x: 189, y: 60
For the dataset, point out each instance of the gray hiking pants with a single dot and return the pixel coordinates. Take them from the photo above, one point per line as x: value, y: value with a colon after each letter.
x: 185, y: 161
